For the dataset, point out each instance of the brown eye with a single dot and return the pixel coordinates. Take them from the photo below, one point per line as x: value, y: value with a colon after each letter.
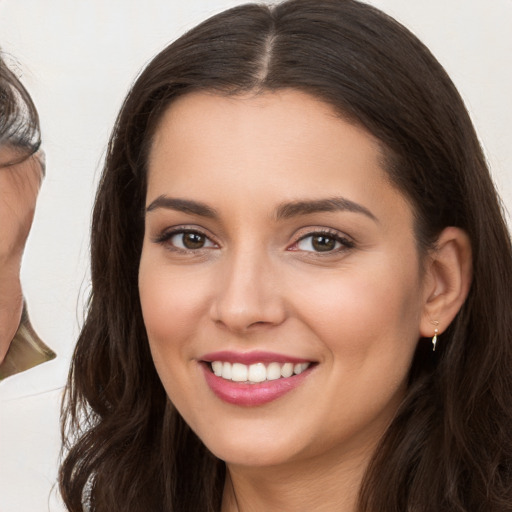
x: 187, y: 240
x: 193, y: 240
x: 318, y: 243
x: 322, y: 243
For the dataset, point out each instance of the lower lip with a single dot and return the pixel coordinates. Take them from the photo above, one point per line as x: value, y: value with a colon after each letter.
x: 252, y: 395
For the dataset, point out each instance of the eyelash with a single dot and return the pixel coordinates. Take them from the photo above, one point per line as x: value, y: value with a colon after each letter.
x: 165, y: 237
x: 344, y: 243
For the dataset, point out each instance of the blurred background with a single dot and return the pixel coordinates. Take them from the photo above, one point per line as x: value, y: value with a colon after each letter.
x: 78, y: 59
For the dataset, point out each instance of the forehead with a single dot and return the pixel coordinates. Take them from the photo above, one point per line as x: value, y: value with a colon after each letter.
x: 288, y: 127
x: 246, y: 156
x: 253, y: 108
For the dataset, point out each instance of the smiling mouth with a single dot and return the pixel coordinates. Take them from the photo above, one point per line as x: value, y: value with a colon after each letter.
x: 258, y: 372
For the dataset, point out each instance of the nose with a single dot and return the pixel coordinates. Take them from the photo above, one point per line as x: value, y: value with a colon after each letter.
x: 248, y: 296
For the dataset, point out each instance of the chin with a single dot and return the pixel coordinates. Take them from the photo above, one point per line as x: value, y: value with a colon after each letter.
x: 247, y: 457
x: 269, y: 450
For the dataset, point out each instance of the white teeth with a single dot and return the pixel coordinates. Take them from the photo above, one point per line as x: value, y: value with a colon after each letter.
x: 239, y: 372
x: 287, y: 370
x: 226, y: 371
x: 299, y: 368
x: 217, y: 368
x: 273, y: 371
x: 257, y: 372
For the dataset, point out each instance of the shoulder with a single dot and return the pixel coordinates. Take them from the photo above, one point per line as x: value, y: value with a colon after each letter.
x: 26, y: 351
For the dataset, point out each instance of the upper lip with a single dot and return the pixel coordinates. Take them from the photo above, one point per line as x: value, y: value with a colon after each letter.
x: 248, y: 358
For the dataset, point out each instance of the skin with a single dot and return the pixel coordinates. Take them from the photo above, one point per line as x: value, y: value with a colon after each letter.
x: 258, y: 283
x: 19, y: 186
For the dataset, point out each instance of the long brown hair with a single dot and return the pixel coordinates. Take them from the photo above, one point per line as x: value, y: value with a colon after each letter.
x: 450, y: 445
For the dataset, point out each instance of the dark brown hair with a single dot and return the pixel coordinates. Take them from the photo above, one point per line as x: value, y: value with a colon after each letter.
x: 450, y: 445
x: 19, y: 120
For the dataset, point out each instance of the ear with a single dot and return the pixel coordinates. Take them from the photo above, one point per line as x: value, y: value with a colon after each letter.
x: 447, y: 280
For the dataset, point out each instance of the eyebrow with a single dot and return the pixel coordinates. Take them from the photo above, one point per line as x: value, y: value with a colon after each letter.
x: 283, y: 211
x: 182, y: 205
x: 334, y: 204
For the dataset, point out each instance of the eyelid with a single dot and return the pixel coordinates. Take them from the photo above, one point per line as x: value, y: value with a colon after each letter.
x: 166, y: 234
x: 345, y: 241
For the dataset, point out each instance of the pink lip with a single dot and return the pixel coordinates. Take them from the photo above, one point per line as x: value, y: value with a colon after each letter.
x: 251, y: 395
x: 253, y: 357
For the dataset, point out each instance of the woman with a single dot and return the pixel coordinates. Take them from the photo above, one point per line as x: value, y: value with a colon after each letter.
x: 301, y: 281
x: 28, y: 387
x: 21, y: 172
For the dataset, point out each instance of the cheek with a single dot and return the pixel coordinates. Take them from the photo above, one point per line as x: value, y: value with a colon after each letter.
x: 172, y: 299
x: 168, y: 317
x: 368, y: 315
x: 172, y: 303
x: 369, y: 326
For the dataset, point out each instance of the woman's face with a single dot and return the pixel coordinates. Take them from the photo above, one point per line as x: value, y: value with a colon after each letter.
x: 280, y: 281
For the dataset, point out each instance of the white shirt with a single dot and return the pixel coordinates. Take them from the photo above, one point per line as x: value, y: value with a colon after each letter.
x: 30, y: 438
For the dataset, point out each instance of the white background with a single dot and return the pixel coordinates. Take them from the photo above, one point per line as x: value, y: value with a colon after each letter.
x: 79, y: 57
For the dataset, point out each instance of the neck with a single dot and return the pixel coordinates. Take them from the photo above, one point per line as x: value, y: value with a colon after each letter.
x: 332, y: 486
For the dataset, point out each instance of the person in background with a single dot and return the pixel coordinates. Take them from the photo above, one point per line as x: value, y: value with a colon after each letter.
x: 22, y: 169
x: 29, y: 393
